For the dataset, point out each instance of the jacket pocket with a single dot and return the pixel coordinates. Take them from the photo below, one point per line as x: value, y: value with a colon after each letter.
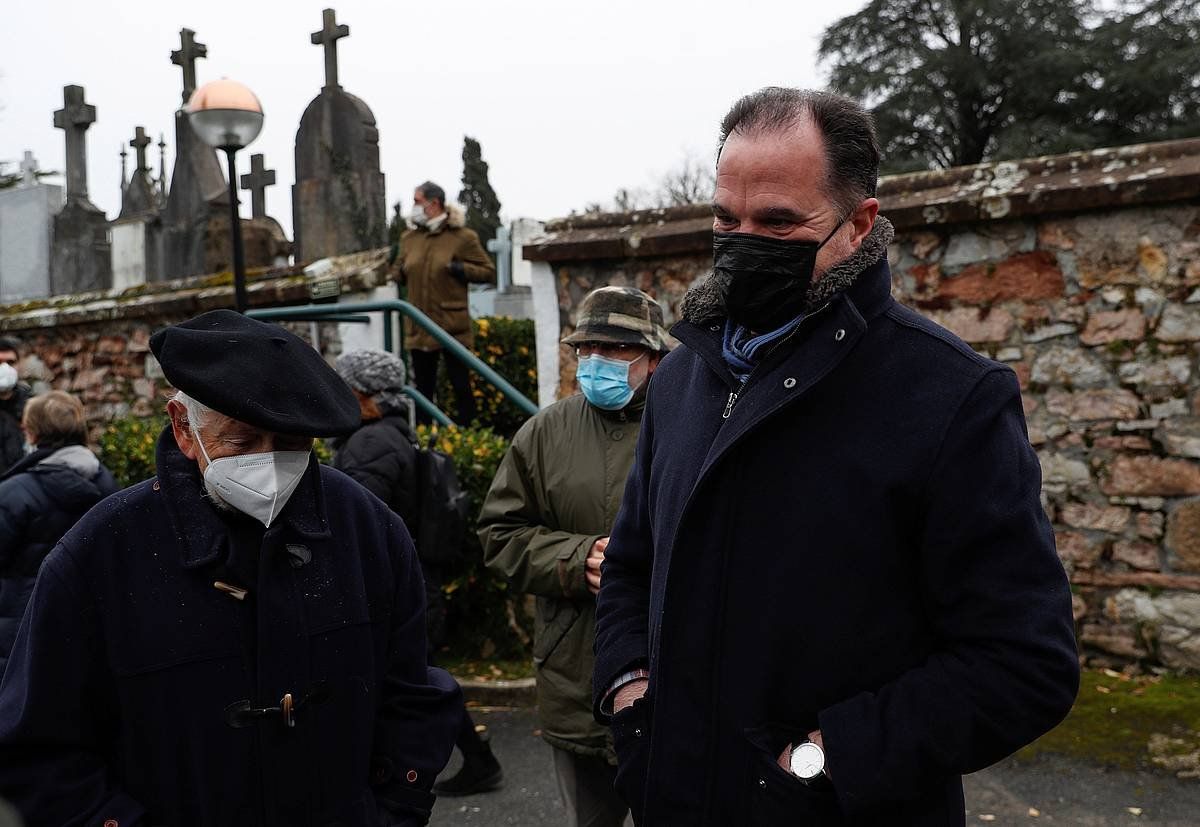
x: 631, y: 742
x: 773, y: 796
x: 455, y: 317
x: 556, y: 617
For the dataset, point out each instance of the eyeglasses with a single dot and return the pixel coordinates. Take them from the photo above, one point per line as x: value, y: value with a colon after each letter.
x: 612, y: 350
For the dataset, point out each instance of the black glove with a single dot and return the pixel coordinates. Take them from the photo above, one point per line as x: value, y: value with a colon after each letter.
x: 457, y: 270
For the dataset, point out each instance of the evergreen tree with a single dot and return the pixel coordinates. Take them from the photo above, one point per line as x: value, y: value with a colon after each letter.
x: 477, y: 195
x: 955, y: 82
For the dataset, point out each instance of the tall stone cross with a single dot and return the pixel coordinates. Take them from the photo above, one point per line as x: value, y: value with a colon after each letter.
x: 502, y: 247
x: 257, y: 181
x: 328, y: 36
x: 28, y: 170
x: 185, y: 58
x: 139, y: 142
x: 74, y: 118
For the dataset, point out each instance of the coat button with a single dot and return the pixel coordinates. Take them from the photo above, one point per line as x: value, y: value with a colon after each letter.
x: 411, y: 776
x: 789, y: 383
x: 714, y: 328
x: 762, y: 784
x: 112, y: 822
x: 841, y: 334
x: 637, y: 733
x: 618, y: 436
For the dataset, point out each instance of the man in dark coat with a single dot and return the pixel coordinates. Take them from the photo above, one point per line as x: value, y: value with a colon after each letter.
x: 831, y: 589
x: 240, y: 640
x: 41, y: 497
x: 13, y: 396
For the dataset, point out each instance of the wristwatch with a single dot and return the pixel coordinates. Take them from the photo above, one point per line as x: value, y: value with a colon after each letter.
x: 807, y: 762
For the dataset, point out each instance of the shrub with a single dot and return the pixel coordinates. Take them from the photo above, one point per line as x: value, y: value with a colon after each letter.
x: 127, y: 447
x: 508, y: 346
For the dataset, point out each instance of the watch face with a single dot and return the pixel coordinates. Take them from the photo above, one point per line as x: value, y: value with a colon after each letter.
x: 807, y: 760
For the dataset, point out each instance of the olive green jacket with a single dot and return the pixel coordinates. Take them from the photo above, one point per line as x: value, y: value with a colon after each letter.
x: 556, y: 492
x: 424, y: 264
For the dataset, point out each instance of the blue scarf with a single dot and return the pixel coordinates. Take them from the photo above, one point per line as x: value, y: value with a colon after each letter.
x: 742, y: 349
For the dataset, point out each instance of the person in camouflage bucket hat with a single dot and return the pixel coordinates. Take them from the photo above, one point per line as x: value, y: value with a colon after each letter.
x: 545, y: 528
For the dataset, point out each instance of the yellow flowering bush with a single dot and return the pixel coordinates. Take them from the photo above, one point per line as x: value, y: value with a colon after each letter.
x: 508, y: 347
x: 127, y: 447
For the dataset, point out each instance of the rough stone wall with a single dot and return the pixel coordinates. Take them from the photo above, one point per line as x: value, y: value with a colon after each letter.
x: 1099, y: 316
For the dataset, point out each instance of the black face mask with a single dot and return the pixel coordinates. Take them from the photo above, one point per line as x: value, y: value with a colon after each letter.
x: 768, y: 277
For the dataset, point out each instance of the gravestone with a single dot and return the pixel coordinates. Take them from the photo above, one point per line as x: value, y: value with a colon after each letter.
x: 338, y: 198
x: 81, y: 249
x: 265, y: 239
x: 257, y: 181
x: 198, y: 199
x: 26, y: 232
x: 137, y: 233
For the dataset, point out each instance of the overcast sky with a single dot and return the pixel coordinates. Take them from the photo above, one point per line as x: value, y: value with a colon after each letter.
x: 570, y: 100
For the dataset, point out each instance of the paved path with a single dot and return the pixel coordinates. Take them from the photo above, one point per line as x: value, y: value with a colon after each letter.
x: 1048, y: 790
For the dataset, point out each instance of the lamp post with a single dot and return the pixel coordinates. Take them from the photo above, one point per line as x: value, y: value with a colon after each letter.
x: 226, y: 115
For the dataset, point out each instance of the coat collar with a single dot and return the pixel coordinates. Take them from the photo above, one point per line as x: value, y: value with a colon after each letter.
x: 203, y: 533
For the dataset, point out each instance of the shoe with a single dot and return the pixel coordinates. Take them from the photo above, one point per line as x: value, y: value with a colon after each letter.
x: 480, y: 772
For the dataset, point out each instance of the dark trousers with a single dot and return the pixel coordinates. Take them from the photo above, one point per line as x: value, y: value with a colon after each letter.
x: 586, y: 785
x: 425, y: 368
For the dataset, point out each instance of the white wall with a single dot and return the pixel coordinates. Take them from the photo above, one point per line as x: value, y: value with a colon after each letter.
x: 26, y: 234
x: 128, y: 253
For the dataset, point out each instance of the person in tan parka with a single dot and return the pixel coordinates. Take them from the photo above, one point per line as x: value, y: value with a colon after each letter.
x: 439, y: 255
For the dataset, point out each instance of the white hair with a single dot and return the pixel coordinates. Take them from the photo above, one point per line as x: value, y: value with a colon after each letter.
x: 197, y: 412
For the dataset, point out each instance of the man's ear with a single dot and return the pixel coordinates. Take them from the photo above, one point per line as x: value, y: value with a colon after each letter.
x: 652, y: 362
x: 184, y: 437
x: 863, y: 221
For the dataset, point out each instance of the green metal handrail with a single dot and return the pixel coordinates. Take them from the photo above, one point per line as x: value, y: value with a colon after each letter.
x: 452, y: 345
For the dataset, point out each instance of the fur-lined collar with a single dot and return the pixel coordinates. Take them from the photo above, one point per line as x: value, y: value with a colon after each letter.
x: 456, y: 218
x: 705, y: 300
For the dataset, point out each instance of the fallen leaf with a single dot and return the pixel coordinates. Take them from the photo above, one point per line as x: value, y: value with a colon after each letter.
x: 1034, y: 812
x: 1112, y: 673
x: 1102, y: 689
x: 987, y: 817
x: 1134, y: 811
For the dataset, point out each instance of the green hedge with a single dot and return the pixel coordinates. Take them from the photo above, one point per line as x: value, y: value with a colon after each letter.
x: 509, y: 347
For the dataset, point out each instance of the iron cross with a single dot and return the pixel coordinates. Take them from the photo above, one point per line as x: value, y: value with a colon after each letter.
x: 328, y: 36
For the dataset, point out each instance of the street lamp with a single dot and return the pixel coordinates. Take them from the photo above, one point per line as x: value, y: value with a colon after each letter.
x: 226, y: 115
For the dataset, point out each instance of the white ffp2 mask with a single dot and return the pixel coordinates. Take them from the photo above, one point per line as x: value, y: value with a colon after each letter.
x: 258, y: 485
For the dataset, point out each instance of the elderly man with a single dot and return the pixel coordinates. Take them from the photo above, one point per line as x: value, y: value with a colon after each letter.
x: 545, y: 527
x: 439, y: 255
x: 831, y: 589
x: 240, y: 640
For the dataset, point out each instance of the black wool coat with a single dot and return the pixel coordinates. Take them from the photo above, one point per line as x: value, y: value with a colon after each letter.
x: 139, y: 693
x: 859, y: 547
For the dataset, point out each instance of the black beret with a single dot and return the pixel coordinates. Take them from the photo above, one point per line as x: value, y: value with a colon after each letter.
x: 257, y: 373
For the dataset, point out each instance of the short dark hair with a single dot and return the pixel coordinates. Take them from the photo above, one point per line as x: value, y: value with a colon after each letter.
x: 851, y: 145
x: 9, y: 343
x: 432, y: 192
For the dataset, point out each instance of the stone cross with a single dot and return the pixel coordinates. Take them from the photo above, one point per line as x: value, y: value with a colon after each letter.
x: 502, y: 246
x: 28, y: 170
x: 257, y: 181
x: 139, y: 142
x: 328, y: 36
x: 74, y: 118
x: 185, y: 58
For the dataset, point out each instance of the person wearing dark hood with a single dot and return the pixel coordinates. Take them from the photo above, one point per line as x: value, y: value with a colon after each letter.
x: 239, y: 640
x: 41, y: 497
x: 382, y: 457
x: 832, y: 589
x: 13, y: 395
x: 545, y: 526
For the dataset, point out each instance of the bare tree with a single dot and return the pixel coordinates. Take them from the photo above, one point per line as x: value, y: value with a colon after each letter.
x: 692, y: 182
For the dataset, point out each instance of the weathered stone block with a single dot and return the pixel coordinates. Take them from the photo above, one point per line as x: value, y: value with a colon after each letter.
x: 1170, y: 409
x: 1026, y: 277
x: 1051, y: 331
x: 1063, y: 472
x: 974, y: 325
x: 1108, y: 518
x: 1137, y: 554
x: 1078, y: 549
x: 1112, y: 326
x: 1179, y: 323
x: 1183, y: 534
x: 1069, y: 366
x: 1180, y: 437
x: 1143, y: 475
x: 1103, y: 403
x: 1123, y: 641
x: 1150, y: 525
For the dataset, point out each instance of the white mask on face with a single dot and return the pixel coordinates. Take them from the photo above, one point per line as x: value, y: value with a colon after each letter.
x: 258, y: 485
x: 418, y: 216
x: 8, y: 377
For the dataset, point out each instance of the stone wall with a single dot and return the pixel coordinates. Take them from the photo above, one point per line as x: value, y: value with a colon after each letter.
x: 1082, y: 272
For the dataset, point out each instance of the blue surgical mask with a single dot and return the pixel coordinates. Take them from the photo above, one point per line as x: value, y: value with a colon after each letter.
x: 605, y: 382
